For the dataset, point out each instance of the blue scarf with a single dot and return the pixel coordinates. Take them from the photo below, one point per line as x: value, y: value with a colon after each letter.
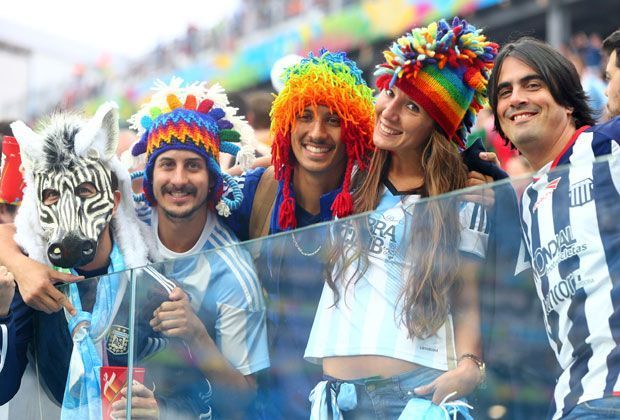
x: 82, y: 399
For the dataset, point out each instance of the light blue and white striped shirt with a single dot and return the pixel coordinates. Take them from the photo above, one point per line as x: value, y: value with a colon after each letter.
x: 366, y: 320
x: 225, y: 292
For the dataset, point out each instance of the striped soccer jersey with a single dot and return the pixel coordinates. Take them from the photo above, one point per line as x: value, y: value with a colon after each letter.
x: 366, y: 320
x: 226, y: 293
x: 570, y: 226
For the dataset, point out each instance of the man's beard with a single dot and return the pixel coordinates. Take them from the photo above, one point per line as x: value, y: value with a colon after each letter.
x: 183, y: 214
x: 172, y: 215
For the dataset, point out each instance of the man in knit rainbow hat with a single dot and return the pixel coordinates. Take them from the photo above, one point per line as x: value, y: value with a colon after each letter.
x: 321, y: 125
x: 220, y: 313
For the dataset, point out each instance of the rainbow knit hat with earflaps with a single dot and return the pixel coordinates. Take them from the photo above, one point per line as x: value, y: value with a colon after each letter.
x: 332, y: 80
x: 198, y: 119
x: 445, y: 68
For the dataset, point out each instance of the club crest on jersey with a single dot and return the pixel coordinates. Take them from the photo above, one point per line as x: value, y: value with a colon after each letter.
x: 580, y: 192
x: 547, y: 192
x: 118, y: 340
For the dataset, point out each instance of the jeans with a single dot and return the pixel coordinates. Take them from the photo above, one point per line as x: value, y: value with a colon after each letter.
x: 602, y: 408
x: 385, y: 399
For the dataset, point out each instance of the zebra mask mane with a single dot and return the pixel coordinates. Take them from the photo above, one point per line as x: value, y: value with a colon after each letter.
x: 69, y: 154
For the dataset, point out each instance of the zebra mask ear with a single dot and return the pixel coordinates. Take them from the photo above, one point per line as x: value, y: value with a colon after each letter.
x: 100, y: 133
x: 30, y: 144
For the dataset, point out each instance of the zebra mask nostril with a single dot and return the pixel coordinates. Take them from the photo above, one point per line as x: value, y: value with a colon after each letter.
x: 55, y: 252
x: 87, y: 249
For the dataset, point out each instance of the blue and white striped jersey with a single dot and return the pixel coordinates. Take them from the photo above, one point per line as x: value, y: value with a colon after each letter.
x: 226, y: 294
x: 570, y: 226
x: 367, y: 318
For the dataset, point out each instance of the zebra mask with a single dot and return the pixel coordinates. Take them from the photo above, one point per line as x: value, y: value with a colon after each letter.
x: 71, y: 174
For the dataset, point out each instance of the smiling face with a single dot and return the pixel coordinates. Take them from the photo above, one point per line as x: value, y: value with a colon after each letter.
x: 401, y: 125
x: 612, y: 74
x: 316, y: 142
x: 180, y: 184
x: 527, y: 112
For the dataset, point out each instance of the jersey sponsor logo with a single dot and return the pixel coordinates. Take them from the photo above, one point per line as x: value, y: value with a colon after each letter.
x: 118, y: 340
x: 565, y: 289
x: 562, y: 247
x: 547, y: 192
x: 383, y: 236
x: 580, y: 193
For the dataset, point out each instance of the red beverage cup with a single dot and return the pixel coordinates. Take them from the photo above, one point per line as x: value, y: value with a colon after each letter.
x: 113, y: 379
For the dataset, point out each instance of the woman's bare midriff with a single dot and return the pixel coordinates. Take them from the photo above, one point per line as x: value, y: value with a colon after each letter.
x: 356, y: 367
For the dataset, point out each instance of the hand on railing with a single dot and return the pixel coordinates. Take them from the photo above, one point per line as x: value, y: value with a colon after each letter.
x: 7, y: 290
x: 143, y: 404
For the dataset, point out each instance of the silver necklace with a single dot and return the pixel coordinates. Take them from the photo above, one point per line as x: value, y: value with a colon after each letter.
x: 301, y: 251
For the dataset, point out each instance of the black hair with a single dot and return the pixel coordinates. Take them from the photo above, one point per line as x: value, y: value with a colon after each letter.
x: 611, y: 44
x: 556, y: 71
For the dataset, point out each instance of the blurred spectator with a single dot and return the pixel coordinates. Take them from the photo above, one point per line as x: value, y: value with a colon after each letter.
x: 592, y: 83
x: 5, y: 130
x: 493, y: 141
x: 258, y: 107
x: 11, y: 180
x: 611, y: 46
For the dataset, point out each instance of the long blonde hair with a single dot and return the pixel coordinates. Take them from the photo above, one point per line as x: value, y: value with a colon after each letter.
x: 433, y: 248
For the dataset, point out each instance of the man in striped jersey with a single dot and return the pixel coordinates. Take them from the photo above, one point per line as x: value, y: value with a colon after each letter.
x: 568, y: 219
x: 222, y: 315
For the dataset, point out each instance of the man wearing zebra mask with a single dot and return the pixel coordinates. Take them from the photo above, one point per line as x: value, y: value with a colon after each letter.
x: 77, y: 215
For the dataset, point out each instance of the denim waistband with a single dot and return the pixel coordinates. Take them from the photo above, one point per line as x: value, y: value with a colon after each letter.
x: 421, y: 373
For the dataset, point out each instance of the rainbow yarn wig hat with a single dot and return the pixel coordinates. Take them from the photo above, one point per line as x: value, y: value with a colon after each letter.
x: 445, y: 68
x: 198, y: 119
x: 332, y: 80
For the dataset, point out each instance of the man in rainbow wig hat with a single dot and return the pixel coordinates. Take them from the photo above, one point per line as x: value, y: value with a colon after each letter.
x: 182, y: 131
x: 11, y: 180
x: 322, y: 122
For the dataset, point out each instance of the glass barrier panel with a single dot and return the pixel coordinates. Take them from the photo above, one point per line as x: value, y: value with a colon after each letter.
x: 391, y: 308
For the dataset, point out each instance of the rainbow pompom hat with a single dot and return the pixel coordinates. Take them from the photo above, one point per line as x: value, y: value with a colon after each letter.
x: 445, y: 68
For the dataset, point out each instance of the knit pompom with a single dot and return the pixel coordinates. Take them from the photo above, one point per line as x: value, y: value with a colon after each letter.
x: 343, y: 204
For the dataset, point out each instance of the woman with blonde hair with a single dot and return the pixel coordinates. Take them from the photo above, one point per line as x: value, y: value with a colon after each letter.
x: 398, y: 324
